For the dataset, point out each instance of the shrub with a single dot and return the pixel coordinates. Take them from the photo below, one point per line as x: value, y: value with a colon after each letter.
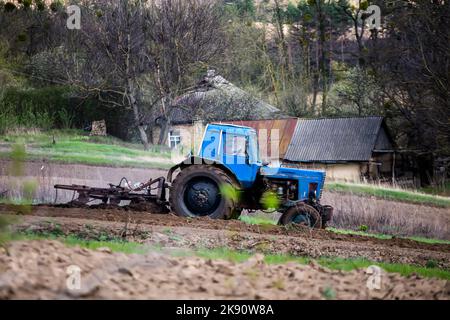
x: 363, y: 228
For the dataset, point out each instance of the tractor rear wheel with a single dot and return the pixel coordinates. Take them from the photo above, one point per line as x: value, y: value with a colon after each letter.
x: 301, y: 214
x: 198, y: 191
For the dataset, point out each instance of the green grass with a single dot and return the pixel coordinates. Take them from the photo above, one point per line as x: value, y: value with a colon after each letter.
x: 441, y: 190
x: 261, y: 220
x: 257, y: 220
x: 241, y: 256
x: 328, y: 262
x: 76, y: 147
x: 388, y: 193
x: 71, y: 241
x: 387, y: 236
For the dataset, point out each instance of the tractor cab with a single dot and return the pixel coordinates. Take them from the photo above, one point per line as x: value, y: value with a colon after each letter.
x: 235, y: 147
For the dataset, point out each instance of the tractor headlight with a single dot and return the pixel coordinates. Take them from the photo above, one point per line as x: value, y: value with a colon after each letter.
x: 312, y: 191
x: 280, y: 191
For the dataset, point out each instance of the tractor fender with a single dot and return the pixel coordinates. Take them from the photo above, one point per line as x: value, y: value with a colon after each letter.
x: 195, y: 160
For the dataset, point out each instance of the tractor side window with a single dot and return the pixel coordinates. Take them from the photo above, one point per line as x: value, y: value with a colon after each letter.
x: 235, y: 145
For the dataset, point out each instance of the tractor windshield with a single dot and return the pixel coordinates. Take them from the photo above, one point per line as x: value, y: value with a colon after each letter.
x: 253, y: 148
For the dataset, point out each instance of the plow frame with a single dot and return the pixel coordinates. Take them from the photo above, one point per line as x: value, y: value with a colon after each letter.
x: 116, y: 193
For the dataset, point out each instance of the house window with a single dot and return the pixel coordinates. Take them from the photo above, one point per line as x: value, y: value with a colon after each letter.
x: 174, y: 138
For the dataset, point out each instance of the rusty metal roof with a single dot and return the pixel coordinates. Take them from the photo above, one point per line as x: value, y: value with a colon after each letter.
x: 334, y: 140
x: 278, y: 132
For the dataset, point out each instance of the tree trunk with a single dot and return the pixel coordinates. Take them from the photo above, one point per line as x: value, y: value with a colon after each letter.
x: 140, y: 127
x: 137, y: 116
x: 164, y: 132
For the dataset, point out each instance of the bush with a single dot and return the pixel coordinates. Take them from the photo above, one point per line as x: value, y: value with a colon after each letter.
x: 363, y: 228
x: 56, y: 107
x: 44, y: 108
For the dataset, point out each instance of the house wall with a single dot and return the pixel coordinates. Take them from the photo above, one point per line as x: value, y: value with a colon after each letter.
x: 379, y: 167
x: 191, y: 135
x: 350, y: 172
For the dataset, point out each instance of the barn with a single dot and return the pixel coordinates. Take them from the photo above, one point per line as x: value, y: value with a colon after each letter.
x: 349, y: 149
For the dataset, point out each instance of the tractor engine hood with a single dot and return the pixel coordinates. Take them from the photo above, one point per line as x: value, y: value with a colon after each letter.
x: 303, y: 176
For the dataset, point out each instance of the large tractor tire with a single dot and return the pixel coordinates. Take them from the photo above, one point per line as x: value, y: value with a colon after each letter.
x: 197, y: 192
x: 301, y: 214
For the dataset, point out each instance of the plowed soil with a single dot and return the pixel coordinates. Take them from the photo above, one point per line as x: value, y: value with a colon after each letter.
x: 172, y: 231
x: 40, y: 270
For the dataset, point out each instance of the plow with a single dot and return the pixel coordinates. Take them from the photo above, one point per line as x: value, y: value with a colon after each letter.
x: 83, y: 195
x: 223, y: 179
x: 150, y: 195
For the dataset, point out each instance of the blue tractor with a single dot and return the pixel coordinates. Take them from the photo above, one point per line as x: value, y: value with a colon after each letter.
x: 228, y: 176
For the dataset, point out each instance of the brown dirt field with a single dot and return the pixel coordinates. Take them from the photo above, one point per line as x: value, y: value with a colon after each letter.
x: 172, y: 231
x: 38, y: 270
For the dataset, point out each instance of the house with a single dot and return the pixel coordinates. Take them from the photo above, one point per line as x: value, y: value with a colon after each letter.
x: 349, y: 149
x: 214, y: 99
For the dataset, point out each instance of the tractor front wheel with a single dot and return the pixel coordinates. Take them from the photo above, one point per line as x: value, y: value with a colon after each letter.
x: 198, y: 191
x: 301, y: 214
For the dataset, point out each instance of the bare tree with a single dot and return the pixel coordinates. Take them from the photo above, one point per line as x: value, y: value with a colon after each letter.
x: 185, y: 36
x: 129, y: 47
x: 107, y: 57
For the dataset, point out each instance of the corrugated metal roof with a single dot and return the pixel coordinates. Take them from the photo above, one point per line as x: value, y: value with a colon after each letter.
x: 332, y: 140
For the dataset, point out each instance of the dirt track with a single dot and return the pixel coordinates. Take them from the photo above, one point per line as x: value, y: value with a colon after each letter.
x: 172, y: 231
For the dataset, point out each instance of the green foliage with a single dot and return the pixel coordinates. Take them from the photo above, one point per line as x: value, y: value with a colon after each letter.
x: 229, y: 192
x: 354, y: 93
x: 363, y: 228
x: 329, y: 293
x: 364, y: 5
x: 431, y: 264
x: 56, y: 5
x: 18, y: 157
x: 26, y: 3
x: 66, y: 118
x: 258, y: 220
x: 387, y: 236
x: 292, y: 13
x: 43, y: 108
x: 245, y: 8
x: 333, y: 10
x: 270, y: 200
x: 40, y: 5
x: 4, y: 222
